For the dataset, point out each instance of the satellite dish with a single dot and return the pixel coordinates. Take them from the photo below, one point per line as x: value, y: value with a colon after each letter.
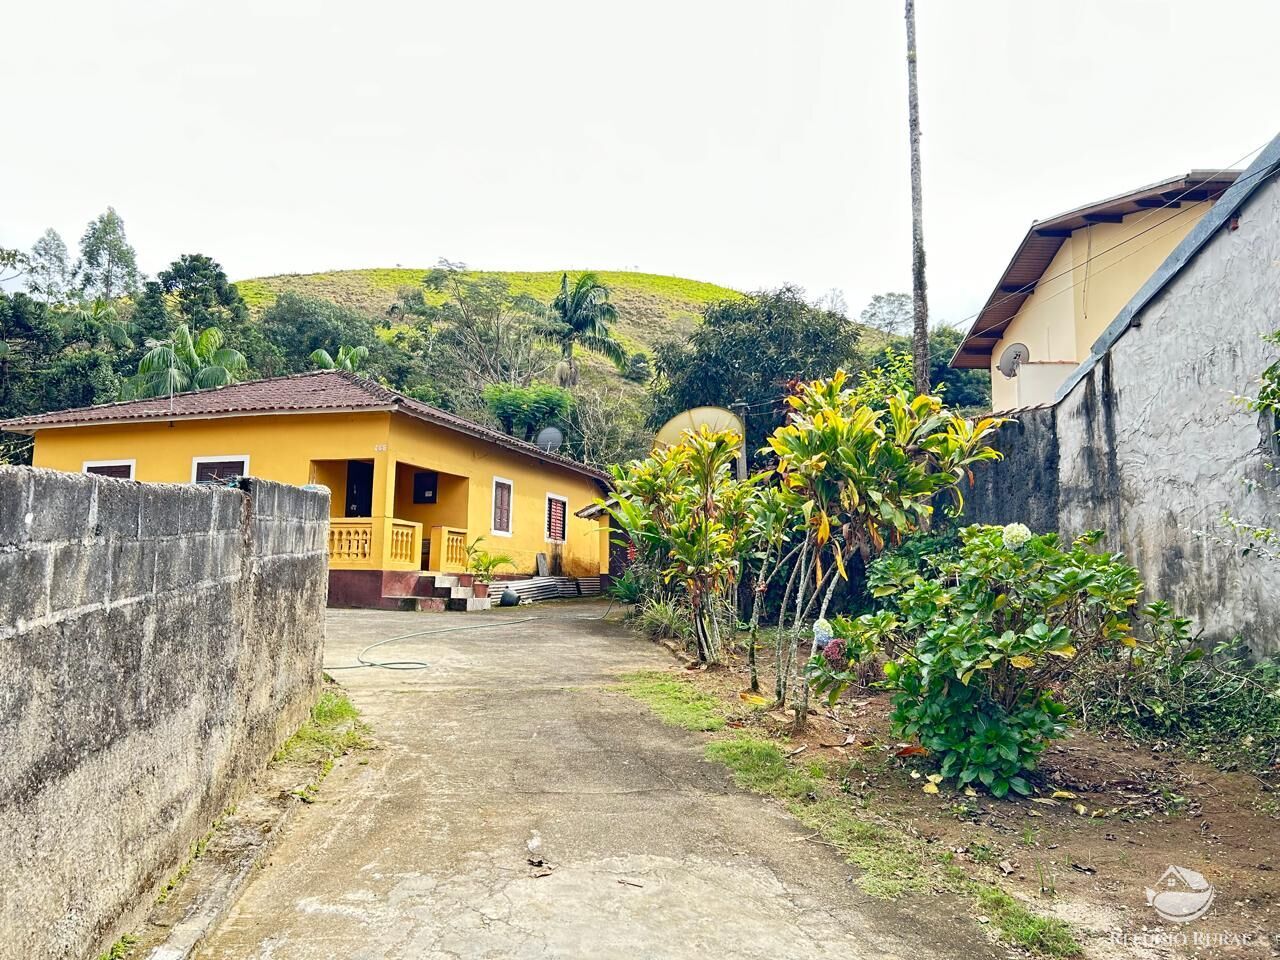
x: 1014, y: 356
x: 549, y: 439
x: 713, y: 418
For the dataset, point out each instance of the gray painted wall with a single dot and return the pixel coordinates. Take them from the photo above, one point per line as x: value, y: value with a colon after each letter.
x: 157, y: 643
x: 1149, y: 447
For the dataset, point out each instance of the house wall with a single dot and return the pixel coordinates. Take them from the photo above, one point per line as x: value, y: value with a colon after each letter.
x: 1096, y: 272
x: 157, y: 644
x: 282, y: 448
x: 436, y: 448
x: 1150, y: 448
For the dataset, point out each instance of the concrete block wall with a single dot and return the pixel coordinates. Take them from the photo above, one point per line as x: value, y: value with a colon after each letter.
x: 1150, y: 448
x: 157, y: 643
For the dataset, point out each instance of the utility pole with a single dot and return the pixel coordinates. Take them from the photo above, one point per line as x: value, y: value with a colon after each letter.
x: 920, y: 300
x: 740, y: 408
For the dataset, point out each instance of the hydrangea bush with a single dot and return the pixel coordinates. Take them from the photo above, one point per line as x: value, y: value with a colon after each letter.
x: 979, y: 643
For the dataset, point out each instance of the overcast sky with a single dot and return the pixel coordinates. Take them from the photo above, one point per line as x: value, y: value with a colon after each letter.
x: 738, y: 141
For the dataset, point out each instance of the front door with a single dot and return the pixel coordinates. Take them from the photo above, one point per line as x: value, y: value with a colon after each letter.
x: 359, y: 488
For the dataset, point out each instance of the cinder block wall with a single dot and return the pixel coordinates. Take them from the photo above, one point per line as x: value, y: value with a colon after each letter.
x: 157, y: 643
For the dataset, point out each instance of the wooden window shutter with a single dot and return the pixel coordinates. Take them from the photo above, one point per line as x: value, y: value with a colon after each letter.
x: 555, y: 519
x: 502, y: 506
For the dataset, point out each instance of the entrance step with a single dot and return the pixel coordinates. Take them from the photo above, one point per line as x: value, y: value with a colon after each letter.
x: 468, y: 604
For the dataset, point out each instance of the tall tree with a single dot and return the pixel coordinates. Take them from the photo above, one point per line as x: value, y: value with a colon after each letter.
x: 202, y: 294
x: 109, y: 266
x: 50, y: 274
x: 920, y: 334
x: 891, y: 313
x: 579, y: 317
x: 749, y: 349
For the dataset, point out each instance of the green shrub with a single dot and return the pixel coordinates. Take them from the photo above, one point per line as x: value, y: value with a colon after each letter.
x: 976, y: 651
x: 628, y: 588
x: 664, y: 620
x: 1217, y: 702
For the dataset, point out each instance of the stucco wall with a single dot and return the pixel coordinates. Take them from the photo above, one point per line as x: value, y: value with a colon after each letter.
x: 157, y: 644
x: 1150, y: 448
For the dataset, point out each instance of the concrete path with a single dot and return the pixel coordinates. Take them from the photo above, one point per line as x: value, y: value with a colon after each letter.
x: 420, y: 849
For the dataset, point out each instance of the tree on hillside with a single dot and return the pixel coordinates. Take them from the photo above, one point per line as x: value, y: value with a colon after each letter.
x: 202, y: 295
x: 13, y: 264
x: 348, y: 358
x: 749, y: 349
x: 50, y: 275
x: 891, y: 313
x: 580, y: 316
x: 480, y: 335
x: 186, y: 362
x: 523, y: 411
x: 109, y: 266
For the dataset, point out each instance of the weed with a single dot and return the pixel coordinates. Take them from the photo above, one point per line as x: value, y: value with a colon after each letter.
x: 664, y: 620
x: 1046, y: 936
x: 1030, y: 836
x: 759, y: 765
x: 674, y: 700
x: 983, y: 853
x: 120, y: 949
x: 334, y: 728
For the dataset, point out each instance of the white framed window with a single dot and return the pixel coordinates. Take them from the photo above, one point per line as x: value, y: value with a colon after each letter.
x: 557, y: 518
x: 120, y: 469
x: 503, y: 497
x: 219, y: 469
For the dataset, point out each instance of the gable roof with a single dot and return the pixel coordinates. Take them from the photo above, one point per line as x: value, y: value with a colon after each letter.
x: 1045, y: 238
x: 1258, y: 173
x: 321, y: 391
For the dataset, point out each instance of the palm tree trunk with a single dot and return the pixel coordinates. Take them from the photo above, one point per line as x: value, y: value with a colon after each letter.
x: 920, y: 300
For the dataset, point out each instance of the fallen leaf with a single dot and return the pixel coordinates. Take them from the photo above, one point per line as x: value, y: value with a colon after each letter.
x: 935, y: 778
x: 848, y: 742
x: 970, y: 792
x: 1045, y: 801
x: 1063, y: 795
x: 930, y: 788
x: 911, y: 750
x: 1081, y: 809
x: 915, y: 774
x: 1006, y: 867
x: 1084, y: 868
x: 752, y: 698
x: 800, y: 749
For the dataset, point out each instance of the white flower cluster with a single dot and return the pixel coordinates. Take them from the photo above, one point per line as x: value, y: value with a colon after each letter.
x: 1015, y: 535
x: 821, y: 633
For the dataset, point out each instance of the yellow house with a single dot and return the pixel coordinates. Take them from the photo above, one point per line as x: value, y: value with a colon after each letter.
x: 1070, y: 277
x: 411, y: 485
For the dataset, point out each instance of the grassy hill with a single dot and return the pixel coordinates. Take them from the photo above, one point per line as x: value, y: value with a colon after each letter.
x: 650, y: 307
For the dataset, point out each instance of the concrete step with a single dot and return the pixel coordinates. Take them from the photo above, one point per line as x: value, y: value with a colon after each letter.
x: 468, y: 604
x: 416, y: 604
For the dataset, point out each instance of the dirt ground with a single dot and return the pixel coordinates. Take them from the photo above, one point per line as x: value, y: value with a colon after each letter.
x: 1125, y: 812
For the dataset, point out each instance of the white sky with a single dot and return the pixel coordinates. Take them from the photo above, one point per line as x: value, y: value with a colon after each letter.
x: 738, y: 141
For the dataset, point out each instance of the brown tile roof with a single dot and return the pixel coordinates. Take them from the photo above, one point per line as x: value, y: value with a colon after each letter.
x: 322, y: 391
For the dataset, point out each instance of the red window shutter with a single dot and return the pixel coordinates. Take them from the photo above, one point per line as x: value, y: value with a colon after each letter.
x: 502, y: 507
x: 555, y: 519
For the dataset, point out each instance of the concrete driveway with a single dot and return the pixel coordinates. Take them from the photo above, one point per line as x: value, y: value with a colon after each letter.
x: 513, y: 736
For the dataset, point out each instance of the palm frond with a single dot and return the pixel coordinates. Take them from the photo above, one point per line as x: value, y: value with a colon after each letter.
x: 606, y: 346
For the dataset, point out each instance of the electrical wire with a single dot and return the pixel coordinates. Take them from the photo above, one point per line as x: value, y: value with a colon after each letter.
x: 362, y: 661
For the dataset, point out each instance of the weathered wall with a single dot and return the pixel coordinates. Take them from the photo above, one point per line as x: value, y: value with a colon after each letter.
x: 157, y: 644
x: 1150, y: 448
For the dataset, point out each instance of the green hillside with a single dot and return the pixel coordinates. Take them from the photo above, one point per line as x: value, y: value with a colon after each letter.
x: 650, y: 307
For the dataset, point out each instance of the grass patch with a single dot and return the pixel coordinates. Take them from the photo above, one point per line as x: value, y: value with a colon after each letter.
x: 197, y: 851
x: 120, y: 949
x: 892, y: 861
x: 675, y: 701
x: 1045, y: 936
x: 333, y: 729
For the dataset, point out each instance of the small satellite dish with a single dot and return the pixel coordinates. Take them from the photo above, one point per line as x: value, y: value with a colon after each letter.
x: 549, y: 439
x: 713, y: 418
x: 1014, y: 356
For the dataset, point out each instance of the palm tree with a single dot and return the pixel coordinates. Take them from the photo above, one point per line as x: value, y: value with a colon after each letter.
x: 95, y: 324
x: 580, y: 315
x: 184, y: 362
x: 350, y: 359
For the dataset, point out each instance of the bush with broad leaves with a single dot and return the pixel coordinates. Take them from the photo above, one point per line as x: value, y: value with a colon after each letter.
x: 978, y: 645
